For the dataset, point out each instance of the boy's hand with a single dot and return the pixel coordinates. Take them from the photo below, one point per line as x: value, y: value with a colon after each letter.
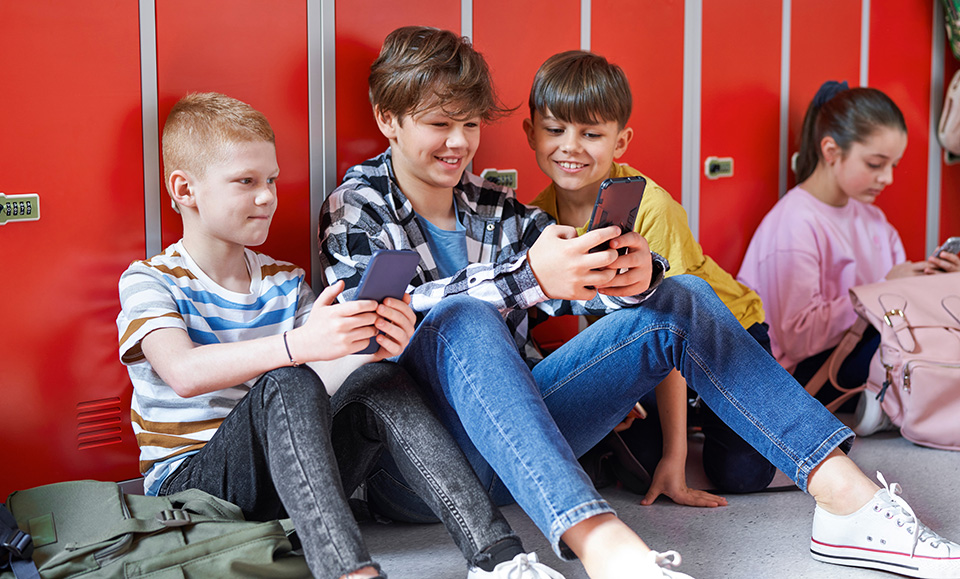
x: 334, y: 330
x: 945, y: 262
x: 397, y: 321
x: 636, y: 265
x: 564, y: 266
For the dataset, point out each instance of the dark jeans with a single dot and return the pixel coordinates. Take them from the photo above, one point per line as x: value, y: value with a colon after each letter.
x: 731, y: 465
x: 852, y: 373
x: 273, y: 457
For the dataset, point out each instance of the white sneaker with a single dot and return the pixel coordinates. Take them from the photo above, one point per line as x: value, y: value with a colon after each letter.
x: 523, y: 566
x: 658, y: 563
x: 869, y: 417
x: 884, y: 534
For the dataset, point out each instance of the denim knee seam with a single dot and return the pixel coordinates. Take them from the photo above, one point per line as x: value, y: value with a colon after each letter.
x: 421, y: 468
x: 280, y: 392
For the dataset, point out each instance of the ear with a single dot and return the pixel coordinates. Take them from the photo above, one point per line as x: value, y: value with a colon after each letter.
x: 180, y: 187
x: 830, y: 150
x: 387, y: 122
x: 531, y: 135
x: 623, y: 141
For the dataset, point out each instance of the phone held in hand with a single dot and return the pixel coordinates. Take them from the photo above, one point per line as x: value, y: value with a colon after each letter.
x: 951, y: 245
x: 387, y: 276
x: 618, y: 203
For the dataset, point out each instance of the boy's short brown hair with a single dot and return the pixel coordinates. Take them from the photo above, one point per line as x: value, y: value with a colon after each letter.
x: 421, y: 67
x: 201, y: 126
x: 581, y: 87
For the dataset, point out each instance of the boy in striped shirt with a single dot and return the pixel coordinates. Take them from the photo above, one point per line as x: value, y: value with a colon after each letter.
x: 214, y: 335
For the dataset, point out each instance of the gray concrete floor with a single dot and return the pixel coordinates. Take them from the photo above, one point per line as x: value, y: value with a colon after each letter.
x: 762, y: 535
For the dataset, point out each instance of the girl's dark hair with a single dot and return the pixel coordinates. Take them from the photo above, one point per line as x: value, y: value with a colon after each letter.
x: 421, y: 67
x: 849, y: 116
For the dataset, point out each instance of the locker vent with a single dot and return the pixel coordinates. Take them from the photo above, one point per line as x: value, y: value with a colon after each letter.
x: 98, y: 423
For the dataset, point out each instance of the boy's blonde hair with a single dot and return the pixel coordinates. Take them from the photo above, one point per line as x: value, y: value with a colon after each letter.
x: 201, y: 126
x: 421, y: 67
x: 581, y: 87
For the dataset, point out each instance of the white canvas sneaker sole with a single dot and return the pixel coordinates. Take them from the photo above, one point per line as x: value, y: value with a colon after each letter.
x: 884, y: 534
x: 901, y: 563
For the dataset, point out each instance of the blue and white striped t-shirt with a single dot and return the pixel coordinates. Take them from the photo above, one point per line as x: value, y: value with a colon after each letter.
x: 170, y: 291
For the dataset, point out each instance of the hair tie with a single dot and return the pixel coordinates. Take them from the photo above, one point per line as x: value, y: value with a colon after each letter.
x: 827, y: 91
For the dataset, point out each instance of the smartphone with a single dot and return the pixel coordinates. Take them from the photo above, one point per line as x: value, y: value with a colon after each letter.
x: 386, y: 276
x: 618, y: 203
x: 952, y: 245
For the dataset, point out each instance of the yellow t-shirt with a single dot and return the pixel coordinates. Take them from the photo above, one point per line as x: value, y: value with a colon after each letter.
x: 663, y: 222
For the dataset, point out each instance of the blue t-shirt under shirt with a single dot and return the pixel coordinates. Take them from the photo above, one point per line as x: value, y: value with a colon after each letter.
x: 449, y: 248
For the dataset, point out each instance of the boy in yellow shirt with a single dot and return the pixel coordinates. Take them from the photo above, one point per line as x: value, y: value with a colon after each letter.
x: 579, y: 108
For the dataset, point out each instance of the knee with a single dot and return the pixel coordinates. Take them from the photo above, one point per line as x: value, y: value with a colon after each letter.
x: 297, y: 385
x: 383, y: 380
x: 462, y: 309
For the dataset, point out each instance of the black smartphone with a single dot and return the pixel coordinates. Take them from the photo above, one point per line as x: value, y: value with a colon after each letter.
x: 386, y: 276
x: 618, y: 203
x: 952, y: 244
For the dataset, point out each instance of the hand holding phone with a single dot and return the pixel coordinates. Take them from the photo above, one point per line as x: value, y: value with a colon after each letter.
x: 387, y: 276
x: 618, y: 203
x: 945, y: 258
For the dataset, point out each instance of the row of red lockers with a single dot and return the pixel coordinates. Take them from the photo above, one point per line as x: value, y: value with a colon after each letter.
x: 71, y: 132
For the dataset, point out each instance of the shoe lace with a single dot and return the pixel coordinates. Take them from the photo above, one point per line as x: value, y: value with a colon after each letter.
x: 898, y: 507
x: 665, y: 559
x: 524, y: 567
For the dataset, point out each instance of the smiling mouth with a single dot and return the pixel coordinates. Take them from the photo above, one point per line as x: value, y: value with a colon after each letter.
x: 452, y: 161
x: 570, y: 165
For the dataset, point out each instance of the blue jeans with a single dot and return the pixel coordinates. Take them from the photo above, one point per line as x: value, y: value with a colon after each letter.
x: 731, y: 465
x: 526, y: 427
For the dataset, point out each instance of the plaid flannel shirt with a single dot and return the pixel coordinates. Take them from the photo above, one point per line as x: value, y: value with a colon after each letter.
x: 368, y: 212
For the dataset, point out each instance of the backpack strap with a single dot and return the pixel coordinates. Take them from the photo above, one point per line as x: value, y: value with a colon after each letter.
x: 830, y: 368
x: 16, y: 547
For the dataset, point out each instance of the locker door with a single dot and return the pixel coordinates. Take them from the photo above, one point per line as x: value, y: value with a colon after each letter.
x: 72, y: 134
x: 256, y: 52
x: 740, y: 118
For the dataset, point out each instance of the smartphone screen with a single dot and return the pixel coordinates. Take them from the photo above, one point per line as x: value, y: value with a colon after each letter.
x: 387, y: 276
x: 618, y: 203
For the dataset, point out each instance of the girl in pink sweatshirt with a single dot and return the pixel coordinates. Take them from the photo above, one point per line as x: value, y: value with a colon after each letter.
x: 826, y: 235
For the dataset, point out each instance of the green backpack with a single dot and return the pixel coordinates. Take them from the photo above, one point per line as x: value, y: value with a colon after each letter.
x: 91, y: 528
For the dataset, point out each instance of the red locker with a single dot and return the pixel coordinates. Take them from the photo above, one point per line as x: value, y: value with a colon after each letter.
x: 740, y: 118
x: 255, y: 52
x: 72, y: 134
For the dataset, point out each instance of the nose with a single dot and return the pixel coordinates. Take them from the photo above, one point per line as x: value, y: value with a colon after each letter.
x: 570, y: 142
x: 456, y: 138
x: 886, y: 178
x: 267, y: 195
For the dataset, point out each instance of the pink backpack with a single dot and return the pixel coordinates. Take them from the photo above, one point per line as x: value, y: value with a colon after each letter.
x: 916, y: 371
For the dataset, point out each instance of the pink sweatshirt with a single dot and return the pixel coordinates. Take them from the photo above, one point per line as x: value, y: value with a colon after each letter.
x: 803, y: 260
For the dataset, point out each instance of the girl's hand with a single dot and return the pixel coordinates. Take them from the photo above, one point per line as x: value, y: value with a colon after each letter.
x: 945, y: 262
x: 906, y: 269
x: 670, y: 479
